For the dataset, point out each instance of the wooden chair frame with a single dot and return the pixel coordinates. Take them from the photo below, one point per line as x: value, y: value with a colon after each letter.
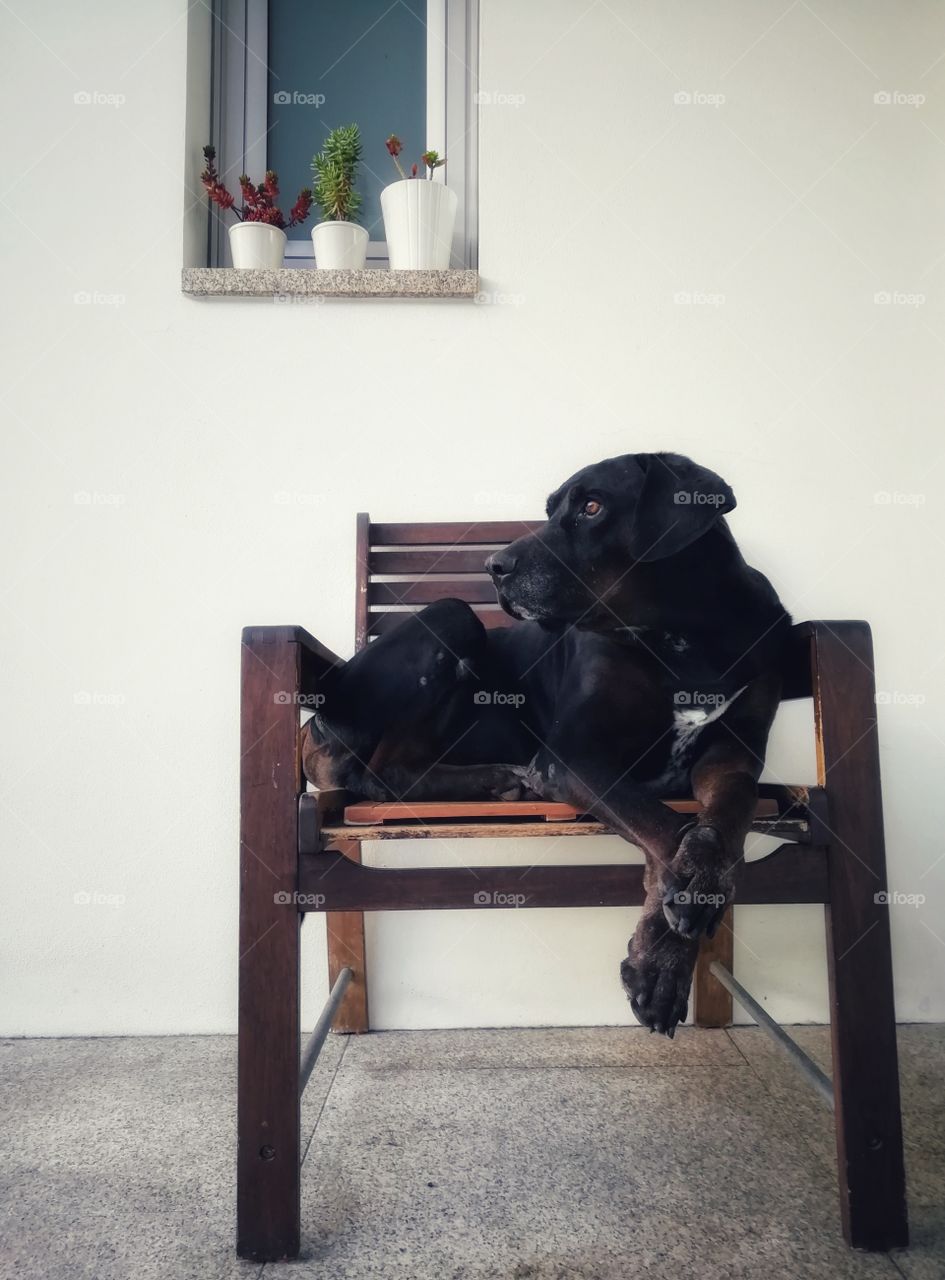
x: 297, y: 855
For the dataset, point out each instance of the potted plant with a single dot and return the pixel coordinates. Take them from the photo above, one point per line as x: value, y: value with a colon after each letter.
x: 339, y: 243
x: 419, y: 214
x: 257, y: 238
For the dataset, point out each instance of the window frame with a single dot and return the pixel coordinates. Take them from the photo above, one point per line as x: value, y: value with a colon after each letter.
x: 239, y: 92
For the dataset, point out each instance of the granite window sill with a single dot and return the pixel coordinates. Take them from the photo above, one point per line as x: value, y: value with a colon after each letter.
x: 295, y: 282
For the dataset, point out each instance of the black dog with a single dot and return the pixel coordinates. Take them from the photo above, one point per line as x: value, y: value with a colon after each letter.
x: 646, y: 666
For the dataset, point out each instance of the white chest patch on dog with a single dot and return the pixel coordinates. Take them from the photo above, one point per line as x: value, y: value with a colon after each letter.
x: 688, y: 722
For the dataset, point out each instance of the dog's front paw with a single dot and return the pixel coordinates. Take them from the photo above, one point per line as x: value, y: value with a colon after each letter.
x: 515, y: 782
x: 657, y: 975
x: 699, y: 883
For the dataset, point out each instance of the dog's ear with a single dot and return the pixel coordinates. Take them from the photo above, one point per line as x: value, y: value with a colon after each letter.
x: 679, y: 502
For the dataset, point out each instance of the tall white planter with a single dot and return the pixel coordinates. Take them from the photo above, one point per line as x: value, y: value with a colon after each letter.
x: 339, y: 246
x: 257, y: 245
x: 419, y: 216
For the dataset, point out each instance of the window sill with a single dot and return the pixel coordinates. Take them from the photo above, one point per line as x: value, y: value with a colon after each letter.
x: 299, y: 282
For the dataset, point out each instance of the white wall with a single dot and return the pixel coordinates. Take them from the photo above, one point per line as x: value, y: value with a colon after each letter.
x: 798, y: 198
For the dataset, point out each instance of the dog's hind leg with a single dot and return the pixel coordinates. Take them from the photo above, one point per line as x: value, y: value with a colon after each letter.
x: 389, y: 716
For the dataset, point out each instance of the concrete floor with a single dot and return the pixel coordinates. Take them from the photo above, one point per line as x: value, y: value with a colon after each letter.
x: 530, y: 1155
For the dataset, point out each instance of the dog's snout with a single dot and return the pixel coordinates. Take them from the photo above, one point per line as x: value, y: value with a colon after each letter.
x: 500, y: 564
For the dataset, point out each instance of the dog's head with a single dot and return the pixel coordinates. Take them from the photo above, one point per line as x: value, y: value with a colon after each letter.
x: 602, y: 523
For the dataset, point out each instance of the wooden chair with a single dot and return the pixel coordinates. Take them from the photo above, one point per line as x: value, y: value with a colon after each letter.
x: 298, y: 853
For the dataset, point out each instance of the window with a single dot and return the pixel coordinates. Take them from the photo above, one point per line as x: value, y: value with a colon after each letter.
x: 286, y: 72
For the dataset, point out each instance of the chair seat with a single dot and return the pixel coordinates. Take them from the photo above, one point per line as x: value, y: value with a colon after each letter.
x: 492, y: 819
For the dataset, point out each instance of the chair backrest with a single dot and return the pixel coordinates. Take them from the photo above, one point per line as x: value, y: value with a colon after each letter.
x: 402, y: 567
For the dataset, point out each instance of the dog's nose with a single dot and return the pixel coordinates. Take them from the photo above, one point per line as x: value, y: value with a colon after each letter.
x: 501, y: 564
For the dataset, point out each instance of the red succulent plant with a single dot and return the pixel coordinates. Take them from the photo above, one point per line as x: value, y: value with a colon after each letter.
x: 431, y: 159
x: 259, y: 202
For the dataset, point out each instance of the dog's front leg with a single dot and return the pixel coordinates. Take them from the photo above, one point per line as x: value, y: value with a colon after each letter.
x: 698, y: 884
x: 657, y: 972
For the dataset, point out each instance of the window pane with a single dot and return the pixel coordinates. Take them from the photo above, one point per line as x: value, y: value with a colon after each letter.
x: 368, y: 60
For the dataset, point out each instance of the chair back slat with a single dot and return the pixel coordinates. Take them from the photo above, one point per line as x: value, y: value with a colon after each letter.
x: 402, y: 567
x: 455, y: 533
x: 416, y: 562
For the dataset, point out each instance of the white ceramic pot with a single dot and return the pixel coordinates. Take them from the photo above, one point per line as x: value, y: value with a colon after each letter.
x: 418, y: 221
x: 339, y: 246
x: 257, y: 245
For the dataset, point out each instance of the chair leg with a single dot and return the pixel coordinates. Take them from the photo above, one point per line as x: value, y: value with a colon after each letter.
x: 268, y: 1139
x: 711, y: 1003
x: 862, y: 1012
x: 346, y: 949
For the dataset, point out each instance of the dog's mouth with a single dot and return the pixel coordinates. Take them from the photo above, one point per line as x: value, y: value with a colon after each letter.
x: 526, y: 606
x: 514, y: 610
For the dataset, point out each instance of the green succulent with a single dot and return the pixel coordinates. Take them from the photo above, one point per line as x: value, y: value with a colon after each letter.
x: 334, y: 168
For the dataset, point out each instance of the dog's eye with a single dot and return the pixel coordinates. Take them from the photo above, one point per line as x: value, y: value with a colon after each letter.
x: 591, y: 508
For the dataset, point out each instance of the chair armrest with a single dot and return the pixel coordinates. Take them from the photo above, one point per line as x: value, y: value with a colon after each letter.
x: 819, y: 627
x: 814, y: 641
x: 317, y: 659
